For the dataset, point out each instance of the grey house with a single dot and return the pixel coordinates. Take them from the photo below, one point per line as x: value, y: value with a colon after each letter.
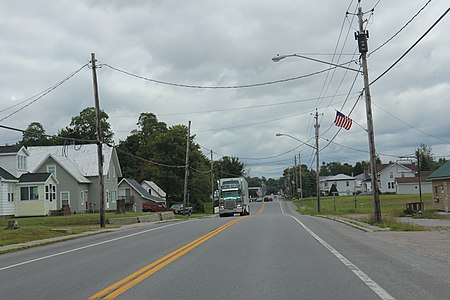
x: 135, y: 195
x: 76, y: 169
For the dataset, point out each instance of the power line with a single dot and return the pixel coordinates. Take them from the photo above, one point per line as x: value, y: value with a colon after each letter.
x: 217, y: 87
x: 239, y: 108
x: 413, y: 127
x: 41, y: 94
x: 410, y: 48
x: 400, y: 30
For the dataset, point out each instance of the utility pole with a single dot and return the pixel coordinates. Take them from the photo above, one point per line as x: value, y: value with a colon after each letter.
x: 99, y: 142
x: 212, y: 182
x: 300, y: 171
x: 186, y: 168
x: 296, y: 175
x: 362, y: 37
x: 418, y: 173
x: 316, y: 126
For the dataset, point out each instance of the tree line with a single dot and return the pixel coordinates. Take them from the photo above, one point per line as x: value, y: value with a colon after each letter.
x: 157, y: 152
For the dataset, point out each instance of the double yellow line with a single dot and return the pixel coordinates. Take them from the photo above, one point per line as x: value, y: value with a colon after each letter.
x: 128, y: 282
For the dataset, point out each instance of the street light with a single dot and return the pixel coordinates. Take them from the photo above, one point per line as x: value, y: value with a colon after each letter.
x: 361, y: 36
x: 317, y: 162
x: 280, y: 57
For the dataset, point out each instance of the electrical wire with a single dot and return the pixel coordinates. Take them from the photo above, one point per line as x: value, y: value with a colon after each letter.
x: 411, y: 126
x: 410, y: 48
x: 40, y: 95
x: 150, y: 161
x: 217, y: 87
x: 400, y: 30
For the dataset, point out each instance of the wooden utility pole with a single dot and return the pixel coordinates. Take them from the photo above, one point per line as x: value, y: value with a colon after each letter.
x: 362, y: 37
x: 300, y: 174
x: 99, y: 143
x: 316, y: 126
x: 296, y: 175
x: 186, y: 170
x: 212, y: 182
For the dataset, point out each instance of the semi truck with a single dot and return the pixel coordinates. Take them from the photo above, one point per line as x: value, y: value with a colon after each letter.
x: 233, y: 196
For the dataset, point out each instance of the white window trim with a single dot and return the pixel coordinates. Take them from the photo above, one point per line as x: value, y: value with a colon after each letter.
x: 61, y: 198
x: 50, y: 166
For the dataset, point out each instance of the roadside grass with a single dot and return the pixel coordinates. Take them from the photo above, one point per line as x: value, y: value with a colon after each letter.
x: 392, y: 206
x: 37, y: 228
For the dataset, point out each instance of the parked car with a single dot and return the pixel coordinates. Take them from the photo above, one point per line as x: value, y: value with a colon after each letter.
x: 178, y: 209
x: 150, y: 206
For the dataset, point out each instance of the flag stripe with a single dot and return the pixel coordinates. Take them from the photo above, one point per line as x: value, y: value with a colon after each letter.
x: 342, y: 120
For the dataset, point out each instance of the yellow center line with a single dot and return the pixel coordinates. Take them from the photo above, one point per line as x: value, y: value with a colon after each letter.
x: 126, y: 283
x: 261, y: 209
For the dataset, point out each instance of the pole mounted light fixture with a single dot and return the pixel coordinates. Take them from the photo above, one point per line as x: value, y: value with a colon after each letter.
x: 280, y: 57
x: 317, y: 162
x: 362, y: 37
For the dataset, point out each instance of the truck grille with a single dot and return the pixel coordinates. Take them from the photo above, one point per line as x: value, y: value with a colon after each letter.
x: 230, y: 204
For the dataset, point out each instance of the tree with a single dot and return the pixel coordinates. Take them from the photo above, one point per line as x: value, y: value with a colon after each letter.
x: 425, y: 158
x: 228, y: 167
x: 34, y: 135
x: 84, y: 126
x: 155, y: 152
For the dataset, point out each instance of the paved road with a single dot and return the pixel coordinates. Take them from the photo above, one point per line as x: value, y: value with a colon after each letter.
x: 273, y: 254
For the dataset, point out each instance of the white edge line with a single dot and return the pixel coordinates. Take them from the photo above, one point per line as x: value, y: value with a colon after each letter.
x: 357, y: 271
x: 85, y: 247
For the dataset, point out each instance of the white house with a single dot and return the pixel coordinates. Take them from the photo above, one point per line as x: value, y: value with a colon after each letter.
x: 345, y: 184
x: 13, y: 163
x: 412, y: 185
x: 387, y: 174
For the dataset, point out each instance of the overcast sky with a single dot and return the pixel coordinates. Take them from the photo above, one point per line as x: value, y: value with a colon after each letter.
x: 228, y: 44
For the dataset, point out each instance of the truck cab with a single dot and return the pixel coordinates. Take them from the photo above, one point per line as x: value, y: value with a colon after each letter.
x: 233, y: 197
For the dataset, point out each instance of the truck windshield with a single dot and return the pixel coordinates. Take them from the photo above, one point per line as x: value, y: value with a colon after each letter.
x: 227, y: 194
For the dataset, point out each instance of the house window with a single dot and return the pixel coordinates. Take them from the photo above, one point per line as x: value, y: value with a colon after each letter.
x: 21, y: 163
x: 51, y: 169
x: 82, y: 198
x: 348, y: 183
x: 10, y: 193
x: 50, y: 192
x: 113, y: 196
x: 65, y: 198
x: 391, y: 185
x: 29, y: 193
x: 391, y: 175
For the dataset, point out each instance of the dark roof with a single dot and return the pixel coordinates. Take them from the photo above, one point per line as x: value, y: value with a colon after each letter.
x: 411, y: 179
x: 6, y: 175
x: 10, y: 149
x: 34, y: 177
x: 143, y: 192
x: 443, y: 171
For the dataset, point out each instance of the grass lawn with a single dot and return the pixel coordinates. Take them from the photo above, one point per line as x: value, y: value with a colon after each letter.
x: 392, y: 206
x: 37, y: 228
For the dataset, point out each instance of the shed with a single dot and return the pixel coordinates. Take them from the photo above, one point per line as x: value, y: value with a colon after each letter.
x: 440, y: 181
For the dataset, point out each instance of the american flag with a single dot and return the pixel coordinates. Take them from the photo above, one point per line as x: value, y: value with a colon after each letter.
x: 342, y: 120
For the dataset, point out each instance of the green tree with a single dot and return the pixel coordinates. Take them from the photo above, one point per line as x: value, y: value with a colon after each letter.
x: 425, y: 158
x: 228, y: 167
x: 84, y: 126
x: 155, y: 152
x: 35, y: 135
